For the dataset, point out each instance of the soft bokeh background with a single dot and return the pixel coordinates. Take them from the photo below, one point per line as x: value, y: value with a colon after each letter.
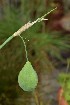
x: 48, y: 48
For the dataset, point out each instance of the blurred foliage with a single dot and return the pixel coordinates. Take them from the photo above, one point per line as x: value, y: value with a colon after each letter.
x: 64, y: 80
x: 66, y: 5
x: 65, y: 84
x: 33, y: 9
x: 43, y: 46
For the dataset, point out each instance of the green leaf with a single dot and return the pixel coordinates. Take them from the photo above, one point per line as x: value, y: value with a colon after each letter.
x: 27, y: 77
x: 61, y: 79
x: 67, y: 95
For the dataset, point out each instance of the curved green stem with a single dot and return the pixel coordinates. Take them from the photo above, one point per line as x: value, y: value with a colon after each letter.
x: 25, y: 47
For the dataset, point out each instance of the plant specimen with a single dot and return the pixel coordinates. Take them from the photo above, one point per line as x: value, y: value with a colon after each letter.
x: 27, y: 77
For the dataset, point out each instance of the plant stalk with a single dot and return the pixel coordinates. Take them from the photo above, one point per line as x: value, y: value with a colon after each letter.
x: 36, y: 98
x: 25, y: 27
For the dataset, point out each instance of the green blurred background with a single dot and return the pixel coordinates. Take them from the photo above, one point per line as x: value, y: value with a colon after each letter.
x: 48, y: 48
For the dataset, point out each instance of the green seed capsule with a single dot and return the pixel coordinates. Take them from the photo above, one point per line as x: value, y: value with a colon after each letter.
x: 27, y: 77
